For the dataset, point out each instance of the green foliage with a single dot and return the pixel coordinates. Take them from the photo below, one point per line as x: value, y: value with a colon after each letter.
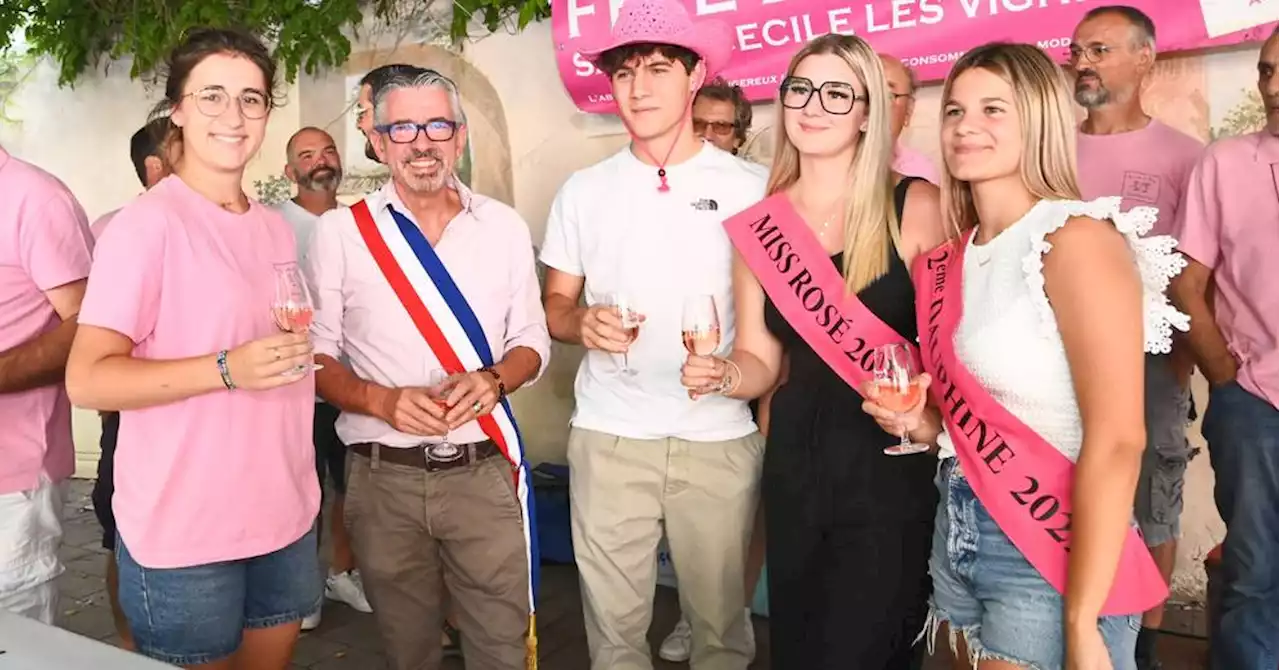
x: 1246, y: 117
x: 308, y: 35
x: 494, y: 13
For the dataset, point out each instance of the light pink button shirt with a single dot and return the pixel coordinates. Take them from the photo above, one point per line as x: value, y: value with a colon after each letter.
x: 488, y: 251
x: 911, y: 163
x: 1230, y: 223
x: 44, y: 243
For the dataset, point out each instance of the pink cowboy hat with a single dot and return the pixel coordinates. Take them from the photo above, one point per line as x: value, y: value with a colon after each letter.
x: 667, y: 22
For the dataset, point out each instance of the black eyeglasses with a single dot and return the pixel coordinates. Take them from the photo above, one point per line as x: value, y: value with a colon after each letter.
x: 405, y: 132
x: 212, y: 101
x: 1094, y: 53
x: 836, y: 97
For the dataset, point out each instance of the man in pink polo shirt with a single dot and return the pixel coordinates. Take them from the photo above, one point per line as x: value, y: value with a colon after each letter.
x: 45, y: 249
x: 1124, y: 152
x: 902, y: 86
x: 1229, y: 230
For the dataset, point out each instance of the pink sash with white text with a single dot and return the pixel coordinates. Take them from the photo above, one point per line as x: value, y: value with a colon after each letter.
x: 1022, y: 481
x: 797, y: 274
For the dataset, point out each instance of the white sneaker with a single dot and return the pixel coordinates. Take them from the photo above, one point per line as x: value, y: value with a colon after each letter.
x: 751, y: 638
x: 312, y: 622
x: 678, y: 646
x: 347, y: 588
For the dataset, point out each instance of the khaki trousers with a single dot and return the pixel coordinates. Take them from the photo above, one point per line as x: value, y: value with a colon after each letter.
x: 622, y: 493
x: 419, y: 533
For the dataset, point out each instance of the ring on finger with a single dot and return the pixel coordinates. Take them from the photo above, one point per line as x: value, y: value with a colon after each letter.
x: 477, y: 407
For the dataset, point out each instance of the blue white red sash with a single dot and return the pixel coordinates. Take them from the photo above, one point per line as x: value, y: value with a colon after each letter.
x: 450, y: 327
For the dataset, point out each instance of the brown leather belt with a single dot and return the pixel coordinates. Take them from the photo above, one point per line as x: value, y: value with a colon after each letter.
x: 431, y: 457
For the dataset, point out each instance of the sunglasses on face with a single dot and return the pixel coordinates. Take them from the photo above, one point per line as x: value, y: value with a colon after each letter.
x: 700, y: 126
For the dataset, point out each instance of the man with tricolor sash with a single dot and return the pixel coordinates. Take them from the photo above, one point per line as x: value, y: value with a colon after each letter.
x: 430, y: 293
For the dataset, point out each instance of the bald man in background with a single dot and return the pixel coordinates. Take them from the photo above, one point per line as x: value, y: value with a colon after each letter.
x: 902, y: 86
x: 313, y: 163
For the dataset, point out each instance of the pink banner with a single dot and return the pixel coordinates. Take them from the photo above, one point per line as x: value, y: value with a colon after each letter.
x: 928, y: 35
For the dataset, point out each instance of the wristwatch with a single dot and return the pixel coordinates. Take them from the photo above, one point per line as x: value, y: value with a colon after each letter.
x: 502, y: 388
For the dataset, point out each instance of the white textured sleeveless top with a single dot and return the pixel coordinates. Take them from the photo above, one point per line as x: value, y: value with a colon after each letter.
x: 1008, y: 336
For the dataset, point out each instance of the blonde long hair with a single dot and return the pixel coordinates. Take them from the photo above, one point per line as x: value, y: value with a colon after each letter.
x: 870, y: 222
x: 1043, y: 100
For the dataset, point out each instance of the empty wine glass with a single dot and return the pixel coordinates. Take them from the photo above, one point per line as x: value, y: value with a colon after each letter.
x: 899, y: 390
x: 292, y: 308
x: 630, y: 317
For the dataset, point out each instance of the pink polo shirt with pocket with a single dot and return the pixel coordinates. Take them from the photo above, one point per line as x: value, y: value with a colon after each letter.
x: 1230, y: 223
x: 225, y: 475
x: 44, y: 243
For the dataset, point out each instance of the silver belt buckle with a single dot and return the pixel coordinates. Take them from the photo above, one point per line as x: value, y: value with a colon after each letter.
x: 443, y: 452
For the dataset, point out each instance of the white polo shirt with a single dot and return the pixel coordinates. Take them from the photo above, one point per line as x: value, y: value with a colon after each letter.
x: 611, y: 225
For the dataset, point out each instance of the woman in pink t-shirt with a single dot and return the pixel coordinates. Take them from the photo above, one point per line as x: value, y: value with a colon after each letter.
x: 215, y: 487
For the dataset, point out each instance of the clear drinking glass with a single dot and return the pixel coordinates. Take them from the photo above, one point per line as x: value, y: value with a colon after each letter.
x: 700, y: 327
x: 292, y: 308
x: 630, y: 317
x: 897, y: 380
x: 700, y: 323
x: 439, y: 384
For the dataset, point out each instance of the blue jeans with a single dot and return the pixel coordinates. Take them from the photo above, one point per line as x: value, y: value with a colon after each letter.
x: 985, y: 590
x: 195, y: 615
x: 1241, y: 431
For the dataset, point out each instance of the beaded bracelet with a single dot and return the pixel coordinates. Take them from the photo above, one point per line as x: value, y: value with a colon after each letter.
x: 222, y: 370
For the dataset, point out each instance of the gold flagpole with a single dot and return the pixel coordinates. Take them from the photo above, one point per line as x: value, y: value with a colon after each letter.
x: 531, y: 644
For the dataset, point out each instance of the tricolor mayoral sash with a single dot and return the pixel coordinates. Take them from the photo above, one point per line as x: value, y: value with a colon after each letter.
x: 446, y: 321
x: 1022, y: 481
x: 799, y: 277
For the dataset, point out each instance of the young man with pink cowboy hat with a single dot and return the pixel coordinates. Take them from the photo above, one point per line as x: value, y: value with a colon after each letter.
x: 640, y: 233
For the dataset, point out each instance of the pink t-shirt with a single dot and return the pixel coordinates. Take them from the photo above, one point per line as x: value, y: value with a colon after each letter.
x: 228, y: 474
x: 911, y: 163
x: 44, y: 244
x: 1230, y: 222
x: 1147, y: 167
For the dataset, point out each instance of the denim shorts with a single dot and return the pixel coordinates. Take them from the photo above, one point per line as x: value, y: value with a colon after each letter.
x: 189, y: 616
x: 985, y: 590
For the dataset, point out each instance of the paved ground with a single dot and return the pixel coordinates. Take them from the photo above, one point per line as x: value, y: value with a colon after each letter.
x: 347, y: 640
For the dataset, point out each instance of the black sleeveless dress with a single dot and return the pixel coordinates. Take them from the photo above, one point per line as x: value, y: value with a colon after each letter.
x: 848, y: 528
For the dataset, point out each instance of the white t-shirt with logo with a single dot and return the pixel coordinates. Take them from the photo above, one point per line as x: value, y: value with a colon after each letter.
x: 611, y: 225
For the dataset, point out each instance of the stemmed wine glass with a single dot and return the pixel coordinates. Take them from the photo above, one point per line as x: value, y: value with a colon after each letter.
x: 439, y: 385
x: 700, y: 325
x: 292, y: 307
x: 630, y: 317
x: 897, y: 382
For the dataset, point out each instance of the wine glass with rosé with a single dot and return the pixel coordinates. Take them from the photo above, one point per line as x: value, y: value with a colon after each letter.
x: 630, y: 317
x: 292, y: 308
x: 899, y: 389
x: 700, y: 327
x: 439, y: 385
